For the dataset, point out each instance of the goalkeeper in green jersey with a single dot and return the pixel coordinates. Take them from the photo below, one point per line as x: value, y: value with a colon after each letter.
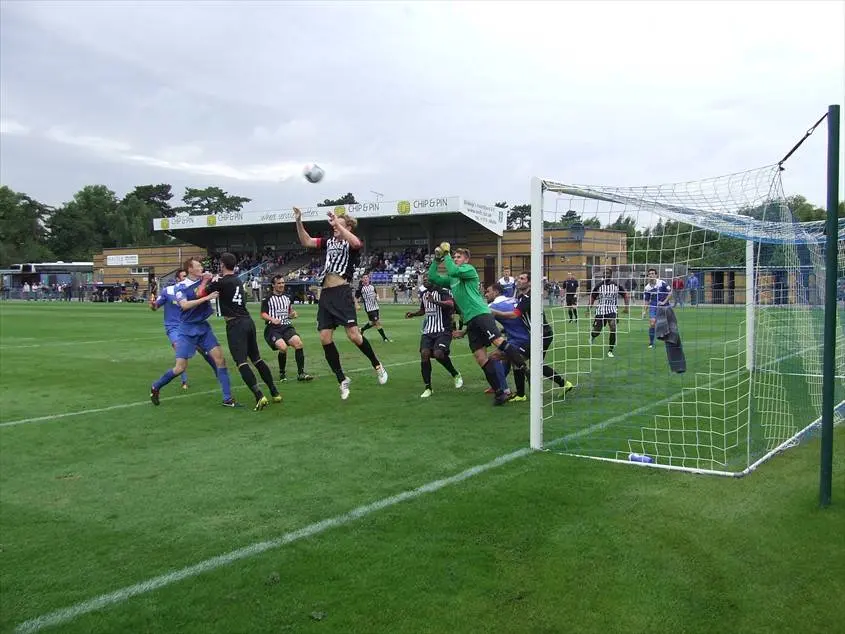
x: 481, y: 329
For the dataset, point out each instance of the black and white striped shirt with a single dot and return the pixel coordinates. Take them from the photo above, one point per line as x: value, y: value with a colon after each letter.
x: 438, y: 319
x: 367, y: 293
x: 341, y: 259
x: 278, y: 307
x: 605, y: 295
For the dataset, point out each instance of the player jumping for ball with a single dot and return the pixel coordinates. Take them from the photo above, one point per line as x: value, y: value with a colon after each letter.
x: 336, y: 306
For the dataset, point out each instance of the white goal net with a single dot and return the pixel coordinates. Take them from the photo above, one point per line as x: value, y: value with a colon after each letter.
x: 688, y: 316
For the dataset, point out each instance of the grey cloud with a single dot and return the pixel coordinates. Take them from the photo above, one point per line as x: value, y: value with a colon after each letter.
x: 408, y: 99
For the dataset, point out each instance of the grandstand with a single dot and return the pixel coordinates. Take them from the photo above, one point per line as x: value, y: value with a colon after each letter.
x: 398, y: 236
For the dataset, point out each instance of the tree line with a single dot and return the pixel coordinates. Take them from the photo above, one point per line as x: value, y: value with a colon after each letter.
x: 96, y: 218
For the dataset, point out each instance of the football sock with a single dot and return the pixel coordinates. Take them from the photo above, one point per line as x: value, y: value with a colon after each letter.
x: 165, y: 378
x: 549, y: 373
x: 299, y: 355
x: 249, y: 378
x: 367, y: 348
x: 651, y: 335
x: 333, y: 359
x: 489, y: 369
x: 367, y: 326
x: 519, y: 381
x: 425, y: 366
x: 612, y: 339
x: 266, y: 376
x: 501, y: 371
x: 184, y: 376
x: 446, y: 362
x: 283, y: 361
x: 381, y: 332
x: 225, y: 383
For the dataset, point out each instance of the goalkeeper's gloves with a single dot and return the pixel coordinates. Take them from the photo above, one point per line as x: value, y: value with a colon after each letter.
x: 445, y: 247
x: 438, y: 254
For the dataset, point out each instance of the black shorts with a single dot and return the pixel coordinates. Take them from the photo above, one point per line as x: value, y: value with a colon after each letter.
x: 240, y: 333
x: 372, y: 315
x: 603, y: 320
x: 571, y: 300
x: 481, y: 331
x: 336, y: 308
x: 525, y: 350
x: 273, y: 333
x: 438, y: 341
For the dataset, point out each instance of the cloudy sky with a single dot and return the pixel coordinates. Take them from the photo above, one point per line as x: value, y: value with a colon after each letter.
x: 410, y: 99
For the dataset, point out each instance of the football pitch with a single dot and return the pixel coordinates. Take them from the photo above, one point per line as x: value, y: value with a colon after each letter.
x: 386, y: 512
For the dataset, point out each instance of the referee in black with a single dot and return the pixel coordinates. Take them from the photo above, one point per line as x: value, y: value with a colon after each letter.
x: 570, y: 288
x: 240, y: 329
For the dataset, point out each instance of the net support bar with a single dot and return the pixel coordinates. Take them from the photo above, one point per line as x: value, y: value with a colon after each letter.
x: 750, y: 292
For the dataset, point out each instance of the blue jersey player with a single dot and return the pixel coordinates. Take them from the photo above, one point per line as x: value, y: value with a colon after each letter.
x: 656, y: 293
x: 515, y: 316
x: 498, y: 301
x: 194, y: 334
x: 173, y: 318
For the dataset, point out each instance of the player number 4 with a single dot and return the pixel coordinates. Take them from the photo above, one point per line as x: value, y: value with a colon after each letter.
x: 237, y: 298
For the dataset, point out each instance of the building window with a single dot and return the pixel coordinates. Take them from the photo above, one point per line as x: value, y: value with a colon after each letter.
x: 613, y: 261
x: 139, y: 270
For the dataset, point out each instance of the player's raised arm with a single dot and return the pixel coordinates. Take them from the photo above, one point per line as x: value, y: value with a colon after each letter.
x: 435, y: 277
x: 304, y: 239
x: 209, y: 284
x: 344, y: 232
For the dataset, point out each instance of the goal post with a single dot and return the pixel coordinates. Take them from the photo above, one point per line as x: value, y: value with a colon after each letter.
x: 536, y: 361
x: 704, y: 349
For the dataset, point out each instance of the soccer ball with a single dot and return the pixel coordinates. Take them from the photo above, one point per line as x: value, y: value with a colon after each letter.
x: 313, y: 173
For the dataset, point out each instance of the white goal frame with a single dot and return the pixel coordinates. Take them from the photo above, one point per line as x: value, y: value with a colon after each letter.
x: 536, y: 420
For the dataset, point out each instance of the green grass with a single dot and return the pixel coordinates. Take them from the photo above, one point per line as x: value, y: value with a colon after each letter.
x: 96, y: 502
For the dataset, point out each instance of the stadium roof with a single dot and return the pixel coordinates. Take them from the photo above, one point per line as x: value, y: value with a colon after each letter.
x: 489, y: 217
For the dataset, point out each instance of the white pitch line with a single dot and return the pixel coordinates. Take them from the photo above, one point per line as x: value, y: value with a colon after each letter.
x: 68, y: 614
x: 65, y: 615
x: 49, y: 417
x: 77, y: 342
x: 41, y: 419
